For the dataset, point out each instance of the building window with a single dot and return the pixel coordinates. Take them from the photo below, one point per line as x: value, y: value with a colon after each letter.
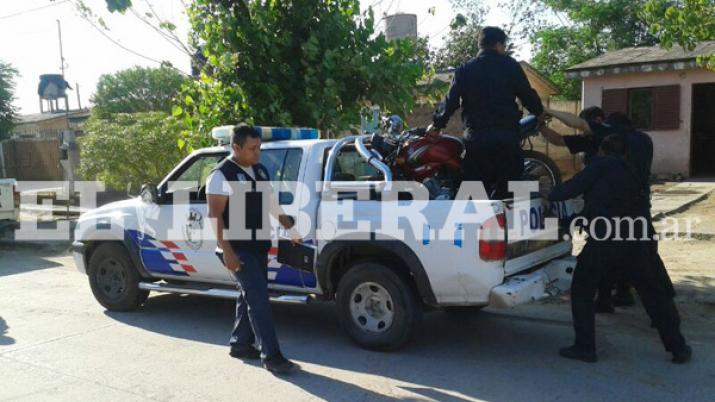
x: 640, y: 107
x: 652, y: 108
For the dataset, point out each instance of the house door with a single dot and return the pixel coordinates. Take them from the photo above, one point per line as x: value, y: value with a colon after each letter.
x: 702, y: 159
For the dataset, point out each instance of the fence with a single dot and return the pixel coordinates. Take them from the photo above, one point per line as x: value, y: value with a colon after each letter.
x: 30, y: 159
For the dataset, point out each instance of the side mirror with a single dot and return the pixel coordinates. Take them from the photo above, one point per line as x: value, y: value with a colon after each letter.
x: 149, y: 194
x: 285, y: 198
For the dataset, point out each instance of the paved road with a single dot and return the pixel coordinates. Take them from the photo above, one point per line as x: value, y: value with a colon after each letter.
x: 57, y: 343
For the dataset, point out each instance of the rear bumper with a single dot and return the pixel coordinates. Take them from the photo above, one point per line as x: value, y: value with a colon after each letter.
x: 550, y: 280
x: 78, y: 249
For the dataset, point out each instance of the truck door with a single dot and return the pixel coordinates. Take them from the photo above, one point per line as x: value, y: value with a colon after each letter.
x: 283, y: 165
x: 173, y: 233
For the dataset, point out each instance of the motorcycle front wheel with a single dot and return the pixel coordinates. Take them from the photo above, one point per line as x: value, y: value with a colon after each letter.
x: 539, y: 167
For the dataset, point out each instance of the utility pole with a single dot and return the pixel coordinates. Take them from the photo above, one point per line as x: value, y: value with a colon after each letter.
x: 79, y: 101
x: 68, y: 140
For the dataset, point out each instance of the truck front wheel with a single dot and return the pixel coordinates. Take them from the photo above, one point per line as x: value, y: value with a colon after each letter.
x: 114, y: 279
x: 377, y: 307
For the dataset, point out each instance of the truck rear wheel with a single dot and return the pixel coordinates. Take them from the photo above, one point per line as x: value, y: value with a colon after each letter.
x: 377, y: 307
x: 114, y: 279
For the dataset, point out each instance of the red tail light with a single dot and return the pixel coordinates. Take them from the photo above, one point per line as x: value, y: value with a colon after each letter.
x: 492, y: 239
x: 16, y: 197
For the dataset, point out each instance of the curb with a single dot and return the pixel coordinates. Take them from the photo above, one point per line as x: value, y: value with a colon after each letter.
x: 681, y: 208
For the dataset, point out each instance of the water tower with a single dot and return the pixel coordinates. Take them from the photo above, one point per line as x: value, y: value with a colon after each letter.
x: 52, y: 88
x: 400, y: 26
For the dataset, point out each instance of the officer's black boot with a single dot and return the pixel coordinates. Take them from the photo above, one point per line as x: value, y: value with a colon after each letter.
x: 279, y: 365
x: 683, y: 356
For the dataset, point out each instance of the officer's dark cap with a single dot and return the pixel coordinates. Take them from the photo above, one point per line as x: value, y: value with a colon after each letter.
x: 592, y: 113
x: 619, y: 119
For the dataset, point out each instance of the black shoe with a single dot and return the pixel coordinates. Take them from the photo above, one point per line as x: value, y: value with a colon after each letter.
x: 279, y: 365
x: 623, y: 299
x: 249, y: 353
x: 604, y: 308
x: 683, y: 356
x: 573, y: 352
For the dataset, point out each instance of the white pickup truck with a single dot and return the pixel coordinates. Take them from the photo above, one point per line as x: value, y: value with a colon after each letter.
x: 9, y: 207
x: 381, y: 286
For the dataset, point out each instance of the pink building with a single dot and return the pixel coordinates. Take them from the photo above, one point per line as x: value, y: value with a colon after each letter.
x: 666, y: 94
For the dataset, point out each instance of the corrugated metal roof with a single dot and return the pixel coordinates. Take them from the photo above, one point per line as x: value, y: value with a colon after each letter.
x: 644, y: 55
x: 38, y: 117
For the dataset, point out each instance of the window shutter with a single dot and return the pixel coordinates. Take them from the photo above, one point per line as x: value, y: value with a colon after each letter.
x: 666, y: 108
x: 614, y: 100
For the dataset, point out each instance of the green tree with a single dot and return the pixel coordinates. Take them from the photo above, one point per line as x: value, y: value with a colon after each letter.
x: 559, y: 48
x: 314, y: 63
x: 137, y: 89
x: 7, y: 95
x: 129, y: 148
x: 461, y: 43
x: 686, y: 23
x: 586, y: 29
x: 118, y: 5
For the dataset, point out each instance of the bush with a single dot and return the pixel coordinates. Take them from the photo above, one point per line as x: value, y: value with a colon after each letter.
x: 129, y: 148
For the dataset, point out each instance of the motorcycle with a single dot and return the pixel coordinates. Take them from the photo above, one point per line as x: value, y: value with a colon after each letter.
x: 437, y: 162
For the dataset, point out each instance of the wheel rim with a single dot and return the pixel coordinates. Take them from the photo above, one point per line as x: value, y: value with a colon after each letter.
x: 535, y: 169
x: 112, y: 278
x: 372, y: 308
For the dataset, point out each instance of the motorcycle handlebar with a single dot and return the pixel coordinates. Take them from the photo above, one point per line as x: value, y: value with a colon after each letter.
x: 419, y: 131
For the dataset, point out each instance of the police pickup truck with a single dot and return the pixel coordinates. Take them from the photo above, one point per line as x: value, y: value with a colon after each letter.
x: 161, y: 241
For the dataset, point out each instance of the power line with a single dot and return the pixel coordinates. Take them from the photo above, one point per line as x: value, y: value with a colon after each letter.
x: 120, y: 45
x: 33, y: 9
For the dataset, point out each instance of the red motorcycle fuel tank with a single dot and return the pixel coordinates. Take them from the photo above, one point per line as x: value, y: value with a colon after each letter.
x: 425, y: 156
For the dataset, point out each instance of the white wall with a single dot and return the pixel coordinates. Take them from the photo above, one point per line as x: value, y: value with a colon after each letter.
x: 672, y: 147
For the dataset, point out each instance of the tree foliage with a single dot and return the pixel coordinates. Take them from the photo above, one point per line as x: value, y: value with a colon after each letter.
x: 685, y: 22
x: 461, y: 42
x: 137, y: 89
x: 315, y: 63
x: 7, y: 96
x: 586, y: 29
x: 118, y: 5
x: 129, y: 148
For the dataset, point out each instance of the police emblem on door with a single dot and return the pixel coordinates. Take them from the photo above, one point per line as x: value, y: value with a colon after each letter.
x: 193, y: 229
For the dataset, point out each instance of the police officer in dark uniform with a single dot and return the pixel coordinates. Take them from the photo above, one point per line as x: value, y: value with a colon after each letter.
x: 639, y: 156
x: 487, y: 88
x: 247, y: 258
x: 612, y: 192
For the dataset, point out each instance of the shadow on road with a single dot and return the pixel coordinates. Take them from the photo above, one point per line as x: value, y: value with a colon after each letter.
x: 19, y: 257
x: 4, y: 339
x: 485, y: 355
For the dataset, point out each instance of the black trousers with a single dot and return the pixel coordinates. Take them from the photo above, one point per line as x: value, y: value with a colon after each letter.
x: 618, y: 276
x: 493, y: 157
x: 640, y: 261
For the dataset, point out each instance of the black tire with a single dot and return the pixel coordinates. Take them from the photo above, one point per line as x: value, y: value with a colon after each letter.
x: 114, y: 278
x: 543, y: 163
x: 405, y: 308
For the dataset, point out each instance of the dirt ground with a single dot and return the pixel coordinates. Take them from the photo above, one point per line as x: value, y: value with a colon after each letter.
x: 690, y: 261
